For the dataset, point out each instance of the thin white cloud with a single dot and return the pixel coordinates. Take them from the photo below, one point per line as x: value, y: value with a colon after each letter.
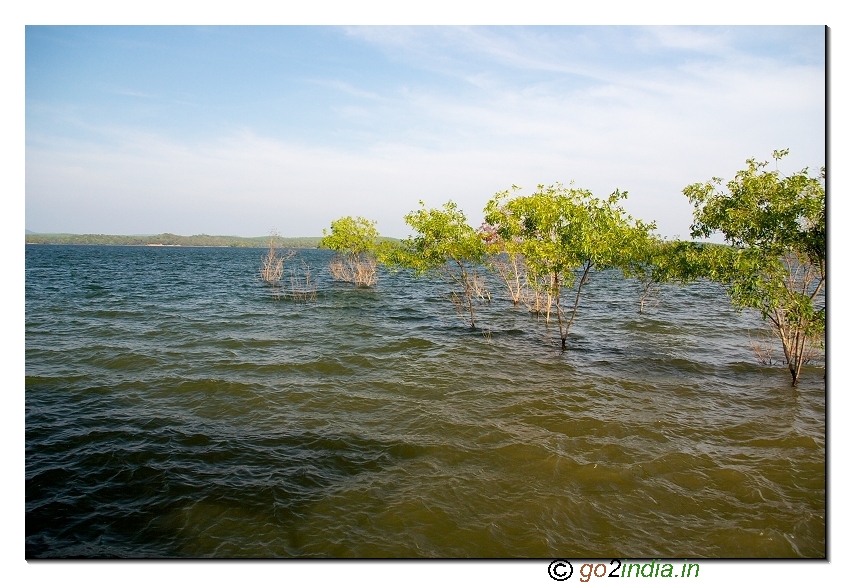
x: 649, y: 130
x: 711, y: 41
x: 132, y: 93
x: 344, y: 87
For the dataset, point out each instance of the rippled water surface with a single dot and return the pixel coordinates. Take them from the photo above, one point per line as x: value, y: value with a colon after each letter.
x: 175, y: 408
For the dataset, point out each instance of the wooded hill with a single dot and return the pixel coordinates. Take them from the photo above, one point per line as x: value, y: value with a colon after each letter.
x: 170, y: 239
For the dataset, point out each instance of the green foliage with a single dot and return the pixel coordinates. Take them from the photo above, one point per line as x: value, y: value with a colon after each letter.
x: 653, y: 261
x: 776, y: 226
x: 351, y: 236
x: 764, y: 210
x: 356, y: 242
x: 443, y: 235
x: 564, y: 233
x: 559, y: 229
x: 446, y: 245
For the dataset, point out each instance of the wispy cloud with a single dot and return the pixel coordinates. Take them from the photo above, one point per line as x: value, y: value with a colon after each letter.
x: 346, y: 88
x: 696, y: 40
x: 132, y: 93
x: 476, y: 110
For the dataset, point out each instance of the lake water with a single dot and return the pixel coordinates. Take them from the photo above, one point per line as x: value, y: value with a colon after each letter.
x: 176, y: 408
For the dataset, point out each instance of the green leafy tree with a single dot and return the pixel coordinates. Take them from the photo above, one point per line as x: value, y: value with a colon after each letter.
x: 447, y: 246
x: 504, y: 256
x: 356, y: 242
x: 653, y: 262
x: 776, y: 263
x: 564, y: 234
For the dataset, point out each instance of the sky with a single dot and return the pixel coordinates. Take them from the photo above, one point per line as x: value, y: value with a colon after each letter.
x: 238, y: 130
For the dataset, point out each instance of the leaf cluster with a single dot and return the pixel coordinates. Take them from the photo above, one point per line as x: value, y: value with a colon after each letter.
x: 764, y: 210
x: 351, y: 236
x: 776, y: 226
x: 442, y: 235
x: 784, y: 288
x: 653, y: 260
x: 558, y: 229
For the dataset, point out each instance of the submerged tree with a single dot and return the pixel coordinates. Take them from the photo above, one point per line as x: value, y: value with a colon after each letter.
x: 776, y: 226
x: 652, y: 261
x: 271, y: 266
x: 355, y: 241
x: 445, y: 245
x: 505, y: 258
x: 302, y: 287
x: 564, y: 234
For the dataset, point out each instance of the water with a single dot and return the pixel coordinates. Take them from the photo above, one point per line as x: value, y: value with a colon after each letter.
x: 175, y: 408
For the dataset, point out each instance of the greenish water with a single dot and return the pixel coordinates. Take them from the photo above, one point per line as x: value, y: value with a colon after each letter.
x: 174, y: 408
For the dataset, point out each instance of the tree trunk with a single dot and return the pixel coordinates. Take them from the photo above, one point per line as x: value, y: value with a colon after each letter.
x: 464, y: 280
x: 578, y: 295
x: 647, y: 288
x: 793, y: 349
x: 800, y: 346
x: 556, y: 287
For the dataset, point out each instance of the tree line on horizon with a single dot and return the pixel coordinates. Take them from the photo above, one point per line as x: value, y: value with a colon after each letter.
x: 201, y: 240
x: 545, y: 247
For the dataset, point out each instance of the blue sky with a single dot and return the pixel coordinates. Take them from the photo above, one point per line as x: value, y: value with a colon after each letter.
x: 235, y: 130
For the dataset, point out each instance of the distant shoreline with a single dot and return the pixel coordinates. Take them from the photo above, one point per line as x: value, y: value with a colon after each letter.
x: 169, y: 240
